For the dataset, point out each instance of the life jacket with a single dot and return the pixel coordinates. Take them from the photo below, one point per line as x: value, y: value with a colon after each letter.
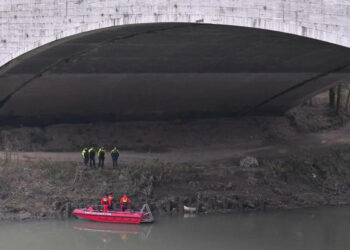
x: 85, y: 154
x: 91, y: 152
x: 125, y: 201
x: 105, y: 201
x: 101, y: 153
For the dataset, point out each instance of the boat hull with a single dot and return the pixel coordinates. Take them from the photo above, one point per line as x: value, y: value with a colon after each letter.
x: 130, y: 217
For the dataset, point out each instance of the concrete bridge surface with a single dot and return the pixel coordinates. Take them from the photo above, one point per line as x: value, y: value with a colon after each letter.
x: 67, y: 60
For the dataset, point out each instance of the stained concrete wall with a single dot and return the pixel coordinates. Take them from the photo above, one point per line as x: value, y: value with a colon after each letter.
x: 28, y: 24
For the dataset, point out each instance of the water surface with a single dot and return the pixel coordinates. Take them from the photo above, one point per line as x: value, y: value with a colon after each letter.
x: 313, y: 229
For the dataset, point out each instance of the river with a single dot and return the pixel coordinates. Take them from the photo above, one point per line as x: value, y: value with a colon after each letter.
x: 310, y: 229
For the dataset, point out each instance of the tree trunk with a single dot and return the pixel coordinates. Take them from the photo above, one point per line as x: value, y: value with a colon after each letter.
x: 310, y: 102
x: 347, y: 100
x: 338, y: 99
x: 331, y: 97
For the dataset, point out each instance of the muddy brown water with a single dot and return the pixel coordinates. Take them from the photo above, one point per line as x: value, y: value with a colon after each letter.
x: 312, y: 229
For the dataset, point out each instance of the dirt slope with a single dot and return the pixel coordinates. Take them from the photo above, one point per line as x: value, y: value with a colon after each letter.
x: 221, y: 150
x: 168, y: 164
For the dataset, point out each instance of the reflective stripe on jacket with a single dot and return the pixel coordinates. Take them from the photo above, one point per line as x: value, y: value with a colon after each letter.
x: 101, y: 153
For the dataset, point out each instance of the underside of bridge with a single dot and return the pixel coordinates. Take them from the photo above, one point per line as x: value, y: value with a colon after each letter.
x: 167, y: 71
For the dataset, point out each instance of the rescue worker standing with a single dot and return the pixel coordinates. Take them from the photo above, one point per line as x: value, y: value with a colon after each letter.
x: 85, y: 155
x: 124, y: 202
x: 105, y: 203
x: 92, y: 154
x: 101, y: 157
x: 111, y: 203
x: 115, y: 156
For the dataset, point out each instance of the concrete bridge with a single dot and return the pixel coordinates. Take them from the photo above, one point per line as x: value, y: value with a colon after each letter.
x: 133, y: 59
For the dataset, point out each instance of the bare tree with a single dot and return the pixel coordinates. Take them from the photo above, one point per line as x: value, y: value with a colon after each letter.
x: 331, y: 97
x: 347, y: 100
x: 348, y: 97
x: 339, y: 90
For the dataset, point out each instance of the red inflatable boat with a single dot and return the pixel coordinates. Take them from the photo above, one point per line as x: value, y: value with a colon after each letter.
x: 119, y: 216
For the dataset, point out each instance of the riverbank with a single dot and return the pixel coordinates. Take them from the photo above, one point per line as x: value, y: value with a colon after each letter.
x: 299, y: 160
x: 47, y: 189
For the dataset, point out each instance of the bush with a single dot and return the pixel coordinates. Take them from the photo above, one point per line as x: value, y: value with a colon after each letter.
x: 38, y: 138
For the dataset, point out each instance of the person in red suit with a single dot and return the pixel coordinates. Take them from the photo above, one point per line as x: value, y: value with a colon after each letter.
x: 110, y: 198
x: 124, y: 202
x: 106, y: 203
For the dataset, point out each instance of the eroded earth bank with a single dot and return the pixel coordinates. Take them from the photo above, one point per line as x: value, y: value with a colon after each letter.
x: 215, y: 165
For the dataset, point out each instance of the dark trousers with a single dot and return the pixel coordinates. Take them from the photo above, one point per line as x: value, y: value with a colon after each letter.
x: 86, y: 161
x: 92, y: 162
x: 101, y: 162
x: 115, y: 162
x: 124, y: 206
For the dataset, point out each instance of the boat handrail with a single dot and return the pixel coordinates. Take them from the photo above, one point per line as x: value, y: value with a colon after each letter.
x: 147, y: 212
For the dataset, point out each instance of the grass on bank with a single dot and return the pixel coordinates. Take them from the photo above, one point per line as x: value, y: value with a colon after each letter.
x: 329, y: 168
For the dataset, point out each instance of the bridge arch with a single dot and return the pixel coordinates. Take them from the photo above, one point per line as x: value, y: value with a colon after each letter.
x: 167, y: 71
